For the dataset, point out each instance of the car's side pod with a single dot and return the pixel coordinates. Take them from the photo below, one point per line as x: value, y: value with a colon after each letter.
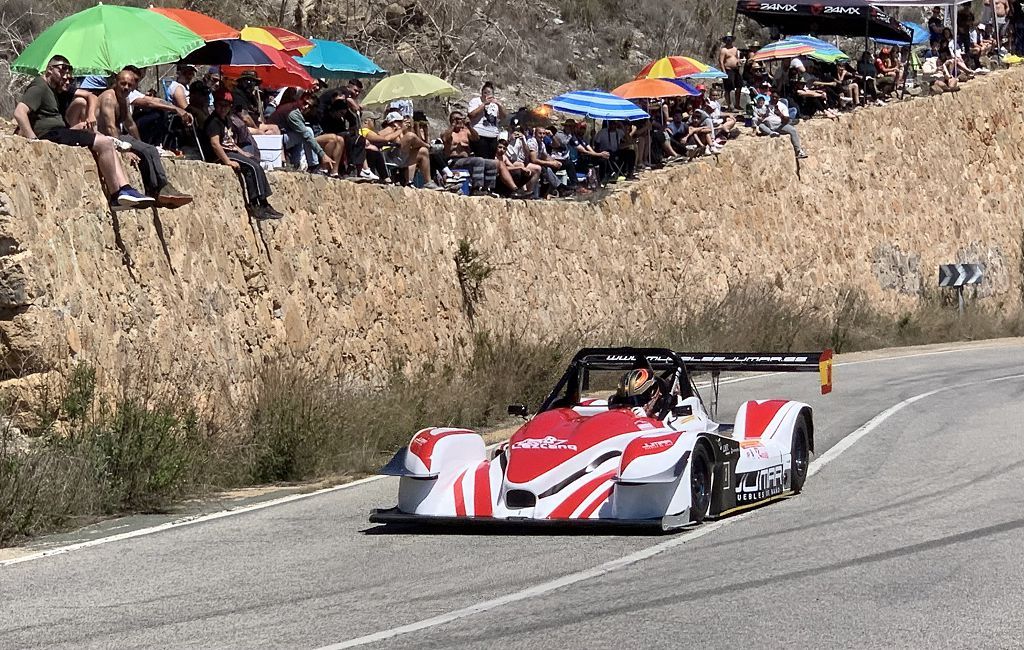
x: 773, y: 419
x: 431, y: 462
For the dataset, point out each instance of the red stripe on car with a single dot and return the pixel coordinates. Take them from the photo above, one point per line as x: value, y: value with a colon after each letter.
x: 482, y: 491
x: 760, y: 415
x: 422, y: 444
x: 596, y: 503
x: 460, y: 498
x: 565, y: 509
x: 647, y: 446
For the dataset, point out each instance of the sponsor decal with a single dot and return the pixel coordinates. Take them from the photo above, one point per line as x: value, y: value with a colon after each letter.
x: 645, y: 426
x: 759, y: 485
x: 770, y: 6
x: 852, y: 11
x: 754, y: 359
x: 757, y: 452
x: 657, y: 444
x: 548, y: 442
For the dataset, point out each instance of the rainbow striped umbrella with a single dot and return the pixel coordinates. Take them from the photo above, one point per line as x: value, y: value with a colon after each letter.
x: 784, y: 49
x: 679, y: 67
x: 823, y: 50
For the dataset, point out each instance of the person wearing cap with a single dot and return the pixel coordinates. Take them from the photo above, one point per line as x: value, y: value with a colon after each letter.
x: 408, y: 151
x: 771, y: 118
x: 249, y: 105
x: 525, y: 175
x: 981, y: 44
x: 115, y: 120
x: 729, y: 63
x: 322, y: 151
x: 220, y: 146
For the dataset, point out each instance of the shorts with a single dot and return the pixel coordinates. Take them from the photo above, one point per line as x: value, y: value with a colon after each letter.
x: 70, y: 137
x: 733, y: 81
x: 397, y: 158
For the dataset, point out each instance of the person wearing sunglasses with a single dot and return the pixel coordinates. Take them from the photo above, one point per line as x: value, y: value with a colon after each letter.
x: 39, y: 116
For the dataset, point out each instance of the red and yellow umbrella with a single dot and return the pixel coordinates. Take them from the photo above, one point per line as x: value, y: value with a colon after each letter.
x: 283, y: 71
x: 654, y: 88
x: 679, y: 67
x: 209, y: 29
x: 279, y: 39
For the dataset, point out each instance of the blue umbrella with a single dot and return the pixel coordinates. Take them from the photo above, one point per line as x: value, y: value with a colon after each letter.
x: 919, y: 35
x: 232, y: 51
x: 823, y: 50
x: 330, y: 59
x: 597, y: 105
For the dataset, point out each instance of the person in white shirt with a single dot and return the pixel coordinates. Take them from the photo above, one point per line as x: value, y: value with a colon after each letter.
x: 485, y: 114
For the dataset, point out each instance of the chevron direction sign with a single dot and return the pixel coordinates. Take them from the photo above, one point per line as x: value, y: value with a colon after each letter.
x: 958, y: 275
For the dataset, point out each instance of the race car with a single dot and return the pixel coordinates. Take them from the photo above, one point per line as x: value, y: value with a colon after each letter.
x: 649, y: 455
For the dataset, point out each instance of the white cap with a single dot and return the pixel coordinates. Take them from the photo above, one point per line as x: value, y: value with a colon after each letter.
x: 393, y: 116
x: 503, y: 136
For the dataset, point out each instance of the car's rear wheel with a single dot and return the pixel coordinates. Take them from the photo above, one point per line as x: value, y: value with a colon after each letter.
x: 700, y: 484
x: 800, y: 455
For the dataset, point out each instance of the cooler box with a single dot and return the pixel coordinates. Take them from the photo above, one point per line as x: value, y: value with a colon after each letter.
x: 271, y: 150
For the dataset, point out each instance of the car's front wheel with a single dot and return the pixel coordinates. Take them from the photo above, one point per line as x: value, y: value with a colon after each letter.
x: 800, y: 455
x: 700, y: 484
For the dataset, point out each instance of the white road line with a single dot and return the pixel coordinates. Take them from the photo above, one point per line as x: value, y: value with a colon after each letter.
x: 628, y: 560
x: 186, y: 521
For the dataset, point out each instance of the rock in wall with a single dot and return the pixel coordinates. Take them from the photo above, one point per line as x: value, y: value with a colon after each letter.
x: 359, y: 276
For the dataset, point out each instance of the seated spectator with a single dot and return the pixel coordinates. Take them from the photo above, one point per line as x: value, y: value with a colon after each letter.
x: 935, y: 24
x: 177, y: 90
x: 115, y: 120
x: 867, y: 72
x: 564, y: 150
x: 539, y: 155
x: 724, y: 124
x: 458, y: 142
x: 520, y: 176
x: 219, y: 146
x: 374, y: 168
x: 662, y: 150
x: 811, y: 101
x: 39, y: 116
x: 946, y: 80
x: 611, y: 139
x: 642, y: 136
x: 677, y: 128
x: 324, y: 151
x: 200, y: 97
x: 248, y: 104
x: 981, y: 44
x: 885, y: 80
x: 700, y: 135
x: 847, y: 80
x: 407, y: 151
x: 771, y: 118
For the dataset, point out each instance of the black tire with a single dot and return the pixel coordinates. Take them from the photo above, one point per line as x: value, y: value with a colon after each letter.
x: 800, y: 455
x: 701, y: 472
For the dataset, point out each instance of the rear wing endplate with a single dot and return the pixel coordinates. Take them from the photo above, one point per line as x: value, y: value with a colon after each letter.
x: 716, y: 362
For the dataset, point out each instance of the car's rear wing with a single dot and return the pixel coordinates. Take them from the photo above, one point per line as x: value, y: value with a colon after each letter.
x: 716, y: 362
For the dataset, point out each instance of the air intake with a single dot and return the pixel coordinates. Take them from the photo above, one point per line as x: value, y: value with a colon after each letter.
x: 516, y: 499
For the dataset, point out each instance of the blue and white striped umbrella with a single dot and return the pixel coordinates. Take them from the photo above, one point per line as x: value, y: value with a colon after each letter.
x: 597, y: 105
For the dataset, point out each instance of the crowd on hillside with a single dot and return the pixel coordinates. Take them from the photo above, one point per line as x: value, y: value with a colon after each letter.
x: 487, y: 148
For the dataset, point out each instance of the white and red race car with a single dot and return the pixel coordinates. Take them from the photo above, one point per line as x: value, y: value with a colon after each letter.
x: 588, y: 461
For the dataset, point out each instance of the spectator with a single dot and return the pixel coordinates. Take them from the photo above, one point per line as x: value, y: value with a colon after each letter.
x: 811, y: 101
x: 219, y: 146
x: 867, y: 72
x: 724, y: 124
x: 458, y: 151
x: 374, y: 168
x: 885, y: 80
x: 981, y: 44
x: 611, y: 139
x: 324, y: 151
x: 249, y: 106
x: 946, y: 80
x: 781, y: 122
x: 39, y: 116
x: 847, y: 79
x: 936, y: 24
x: 151, y: 114
x: 700, y: 136
x: 115, y: 120
x: 485, y: 113
x: 200, y: 97
x: 565, y: 150
x: 538, y: 154
x: 177, y: 90
x: 408, y: 151
x: 677, y: 129
x: 729, y: 63
x: 526, y: 176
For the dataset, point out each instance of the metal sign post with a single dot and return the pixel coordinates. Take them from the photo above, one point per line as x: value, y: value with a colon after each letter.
x: 959, y: 276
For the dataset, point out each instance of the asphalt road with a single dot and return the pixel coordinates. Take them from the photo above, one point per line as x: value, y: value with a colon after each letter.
x: 909, y: 538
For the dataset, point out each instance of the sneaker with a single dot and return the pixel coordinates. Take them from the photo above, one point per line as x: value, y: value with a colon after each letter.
x: 368, y: 175
x: 800, y: 155
x: 272, y: 212
x: 121, y: 145
x: 129, y: 197
x: 432, y: 186
x: 879, y: 102
x: 775, y: 134
x: 171, y: 198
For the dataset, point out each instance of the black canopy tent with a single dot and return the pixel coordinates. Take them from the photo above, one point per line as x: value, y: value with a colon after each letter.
x: 825, y: 17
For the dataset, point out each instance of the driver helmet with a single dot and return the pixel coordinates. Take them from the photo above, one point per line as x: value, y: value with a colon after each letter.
x: 638, y: 387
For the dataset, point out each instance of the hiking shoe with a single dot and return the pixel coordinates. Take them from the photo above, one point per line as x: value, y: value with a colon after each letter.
x: 368, y: 175
x: 129, y: 197
x: 171, y: 198
x: 270, y: 212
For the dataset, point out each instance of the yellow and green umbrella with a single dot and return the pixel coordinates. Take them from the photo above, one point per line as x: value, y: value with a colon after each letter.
x: 408, y: 85
x: 105, y: 38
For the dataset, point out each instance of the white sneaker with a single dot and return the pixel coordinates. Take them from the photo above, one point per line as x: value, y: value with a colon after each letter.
x: 369, y: 175
x: 121, y: 144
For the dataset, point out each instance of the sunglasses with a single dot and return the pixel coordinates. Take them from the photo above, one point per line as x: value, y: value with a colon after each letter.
x: 62, y: 68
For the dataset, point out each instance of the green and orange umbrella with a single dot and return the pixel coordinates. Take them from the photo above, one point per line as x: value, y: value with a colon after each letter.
x: 679, y: 67
x: 209, y: 28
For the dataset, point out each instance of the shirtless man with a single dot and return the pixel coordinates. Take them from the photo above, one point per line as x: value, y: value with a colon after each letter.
x: 114, y: 119
x: 729, y: 63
